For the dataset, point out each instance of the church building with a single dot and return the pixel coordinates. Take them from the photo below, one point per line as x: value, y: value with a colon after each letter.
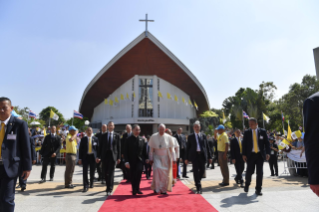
x: 144, y: 84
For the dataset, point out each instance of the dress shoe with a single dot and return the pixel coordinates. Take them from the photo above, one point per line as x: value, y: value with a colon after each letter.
x: 185, y: 177
x: 51, y: 179
x: 139, y: 192
x: 73, y: 185
x: 224, y: 184
x: 258, y: 193
x: 69, y: 186
x: 165, y: 193
x: 196, y: 192
x: 42, y: 181
x: 242, y: 184
x: 127, y: 181
x: 246, y: 188
x: 108, y: 193
x: 272, y: 175
x: 91, y: 186
x: 85, y: 189
x: 18, y: 186
x: 134, y: 193
x: 23, y: 188
x: 191, y: 170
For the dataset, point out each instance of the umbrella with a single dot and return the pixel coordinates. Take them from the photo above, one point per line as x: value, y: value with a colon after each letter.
x: 34, y: 123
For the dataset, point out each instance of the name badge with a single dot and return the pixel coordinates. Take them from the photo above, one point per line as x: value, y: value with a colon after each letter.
x: 11, y: 137
x: 272, y: 152
x: 261, y: 137
x: 94, y: 144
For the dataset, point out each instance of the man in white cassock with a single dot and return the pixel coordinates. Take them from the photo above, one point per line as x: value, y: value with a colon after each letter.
x: 162, y: 156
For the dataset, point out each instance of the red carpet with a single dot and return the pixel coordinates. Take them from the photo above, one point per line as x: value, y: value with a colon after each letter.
x: 180, y: 199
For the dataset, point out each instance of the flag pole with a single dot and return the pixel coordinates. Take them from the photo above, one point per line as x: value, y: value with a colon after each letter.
x: 263, y: 120
x: 242, y: 114
x: 49, y: 121
x: 72, y: 121
x: 283, y: 127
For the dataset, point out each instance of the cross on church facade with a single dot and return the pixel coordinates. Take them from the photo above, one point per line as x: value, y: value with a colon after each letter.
x: 146, y: 20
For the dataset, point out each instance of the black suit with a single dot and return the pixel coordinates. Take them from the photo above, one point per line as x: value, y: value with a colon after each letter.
x: 88, y: 159
x: 98, y: 166
x: 148, y: 167
x: 135, y: 154
x: 235, y: 154
x: 126, y: 172
x: 255, y: 159
x: 182, y: 152
x: 211, y: 148
x: 198, y: 158
x: 23, y: 182
x: 311, y: 123
x: 109, y: 152
x: 51, y: 144
x: 273, y: 160
x: 16, y: 157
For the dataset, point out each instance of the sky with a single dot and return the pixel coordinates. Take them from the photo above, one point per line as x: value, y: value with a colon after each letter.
x: 51, y: 50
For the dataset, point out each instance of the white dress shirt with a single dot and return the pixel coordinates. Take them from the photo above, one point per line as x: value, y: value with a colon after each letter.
x: 197, y: 141
x: 5, y: 123
x: 252, y: 133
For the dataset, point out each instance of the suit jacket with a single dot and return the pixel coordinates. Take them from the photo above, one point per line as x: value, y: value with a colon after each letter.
x: 262, y: 139
x: 51, y: 145
x: 192, y: 147
x: 116, y: 147
x: 16, y: 153
x: 311, y: 123
x: 124, y: 137
x: 182, y: 145
x: 32, y: 146
x: 235, y: 149
x: 84, y: 147
x: 135, y: 150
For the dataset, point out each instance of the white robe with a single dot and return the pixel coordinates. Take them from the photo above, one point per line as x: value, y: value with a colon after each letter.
x: 162, y: 154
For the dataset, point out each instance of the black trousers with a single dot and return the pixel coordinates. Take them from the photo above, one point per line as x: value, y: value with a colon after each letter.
x: 255, y: 160
x: 126, y: 171
x: 198, y: 169
x: 7, y: 191
x: 108, y: 168
x: 99, y: 170
x: 22, y: 182
x: 239, y: 166
x: 45, y: 163
x: 273, y: 163
x: 88, y: 161
x: 184, y: 168
x: 148, y: 169
x: 136, y: 169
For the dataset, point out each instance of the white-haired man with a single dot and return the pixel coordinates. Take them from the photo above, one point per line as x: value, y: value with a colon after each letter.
x: 162, y: 155
x: 199, y: 153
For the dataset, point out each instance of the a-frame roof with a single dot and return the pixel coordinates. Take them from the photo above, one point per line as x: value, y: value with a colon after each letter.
x: 143, y: 56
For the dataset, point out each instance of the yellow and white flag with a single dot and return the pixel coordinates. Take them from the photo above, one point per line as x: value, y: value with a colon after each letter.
x: 54, y: 116
x: 196, y: 106
x: 190, y: 102
x: 175, y: 98
x: 111, y: 102
x: 169, y: 96
x: 127, y: 96
x: 224, y: 118
x: 183, y: 100
x: 122, y: 97
x: 106, y: 101
x: 160, y: 94
x: 116, y: 99
x: 266, y: 118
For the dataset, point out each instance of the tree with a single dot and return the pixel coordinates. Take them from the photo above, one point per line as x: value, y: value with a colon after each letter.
x: 45, y: 116
x: 78, y: 123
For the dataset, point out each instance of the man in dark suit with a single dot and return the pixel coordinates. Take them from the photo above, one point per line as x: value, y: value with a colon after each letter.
x: 50, y: 148
x: 210, y: 142
x: 98, y: 166
x: 22, y: 182
x: 182, y: 151
x: 134, y: 155
x: 273, y: 160
x: 110, y: 155
x: 148, y: 167
x: 15, y: 154
x: 198, y: 152
x: 126, y: 171
x: 256, y: 149
x: 311, y: 123
x: 236, y: 150
x: 87, y: 155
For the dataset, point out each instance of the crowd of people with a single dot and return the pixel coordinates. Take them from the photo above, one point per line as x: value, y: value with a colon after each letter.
x: 164, y: 154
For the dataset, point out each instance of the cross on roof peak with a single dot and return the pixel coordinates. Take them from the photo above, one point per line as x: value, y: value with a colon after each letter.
x: 146, y: 21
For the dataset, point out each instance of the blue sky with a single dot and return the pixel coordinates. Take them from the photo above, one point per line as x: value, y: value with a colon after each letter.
x: 51, y: 50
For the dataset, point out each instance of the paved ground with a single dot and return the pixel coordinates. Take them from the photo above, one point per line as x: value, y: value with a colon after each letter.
x: 283, y: 193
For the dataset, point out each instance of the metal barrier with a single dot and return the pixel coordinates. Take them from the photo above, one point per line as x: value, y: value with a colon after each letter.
x: 291, y: 167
